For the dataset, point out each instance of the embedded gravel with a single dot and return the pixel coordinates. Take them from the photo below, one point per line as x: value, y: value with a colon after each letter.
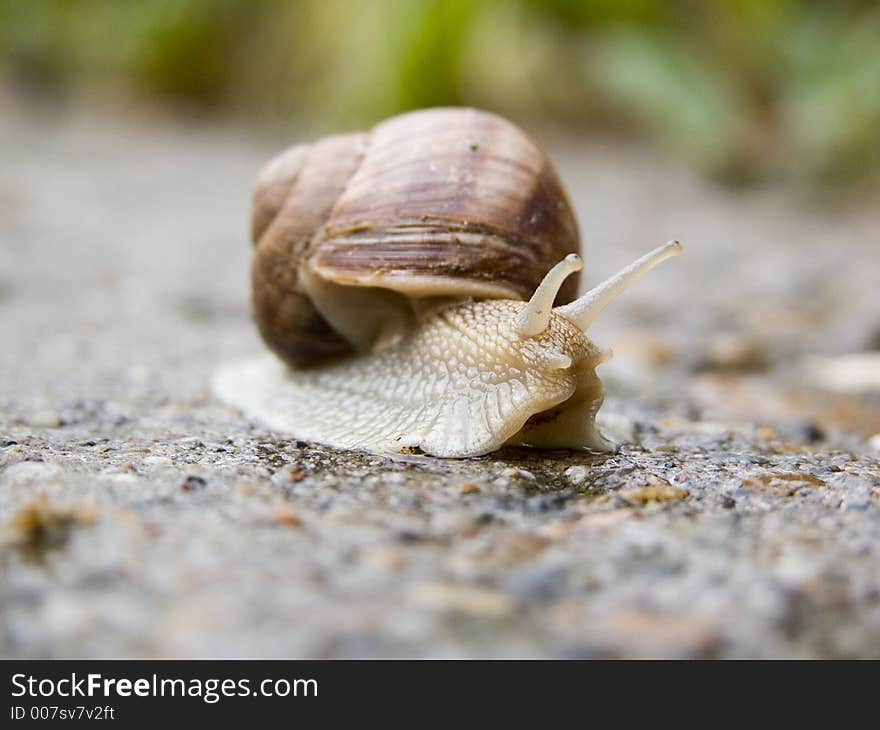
x: 740, y: 516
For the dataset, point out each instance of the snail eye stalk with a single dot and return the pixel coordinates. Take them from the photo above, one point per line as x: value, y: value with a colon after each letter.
x: 584, y: 310
x: 535, y: 318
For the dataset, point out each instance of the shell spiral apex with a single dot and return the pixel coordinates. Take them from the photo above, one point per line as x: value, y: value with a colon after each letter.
x: 417, y: 282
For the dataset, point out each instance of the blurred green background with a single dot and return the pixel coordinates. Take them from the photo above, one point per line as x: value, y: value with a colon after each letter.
x: 745, y: 90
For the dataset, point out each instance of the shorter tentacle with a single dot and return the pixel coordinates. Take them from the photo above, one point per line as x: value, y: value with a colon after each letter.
x: 536, y: 316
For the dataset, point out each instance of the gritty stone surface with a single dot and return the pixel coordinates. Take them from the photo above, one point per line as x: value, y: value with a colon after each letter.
x: 139, y: 517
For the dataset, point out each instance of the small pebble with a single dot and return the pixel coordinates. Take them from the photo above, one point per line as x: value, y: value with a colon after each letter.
x: 40, y: 525
x: 471, y: 600
x: 546, y: 502
x: 288, y: 475
x: 577, y: 475
x: 192, y: 484
x: 518, y: 474
x: 808, y: 431
x: 854, y: 373
x: 45, y: 419
x: 659, y: 492
x: 283, y: 515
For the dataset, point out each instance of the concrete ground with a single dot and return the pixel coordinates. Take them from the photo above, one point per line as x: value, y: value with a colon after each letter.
x: 740, y: 516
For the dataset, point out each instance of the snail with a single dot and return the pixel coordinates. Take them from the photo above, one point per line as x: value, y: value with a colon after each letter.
x: 417, y: 284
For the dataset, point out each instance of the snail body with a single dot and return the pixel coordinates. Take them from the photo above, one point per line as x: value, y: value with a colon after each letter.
x: 396, y: 302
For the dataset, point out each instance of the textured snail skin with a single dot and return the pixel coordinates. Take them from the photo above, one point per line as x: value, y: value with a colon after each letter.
x: 464, y: 384
x: 467, y: 379
x: 389, y: 273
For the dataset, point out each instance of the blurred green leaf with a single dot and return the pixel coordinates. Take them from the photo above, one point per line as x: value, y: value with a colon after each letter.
x: 669, y: 90
x: 743, y: 88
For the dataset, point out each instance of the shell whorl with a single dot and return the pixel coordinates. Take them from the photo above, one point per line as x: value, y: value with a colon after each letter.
x: 294, y: 195
x: 436, y: 203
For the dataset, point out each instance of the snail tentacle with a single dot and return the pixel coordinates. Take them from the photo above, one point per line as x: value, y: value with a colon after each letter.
x: 536, y: 316
x: 584, y: 310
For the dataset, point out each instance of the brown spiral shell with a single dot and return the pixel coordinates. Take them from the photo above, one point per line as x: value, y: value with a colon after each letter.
x: 445, y: 202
